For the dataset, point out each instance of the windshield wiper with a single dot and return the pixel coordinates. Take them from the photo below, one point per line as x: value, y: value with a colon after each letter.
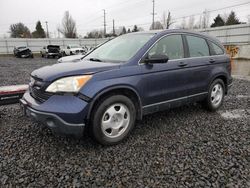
x: 95, y: 59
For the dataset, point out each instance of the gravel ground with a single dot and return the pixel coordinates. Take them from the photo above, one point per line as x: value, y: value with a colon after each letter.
x: 182, y: 147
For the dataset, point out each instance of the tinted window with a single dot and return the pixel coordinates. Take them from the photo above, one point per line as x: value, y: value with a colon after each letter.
x: 216, y: 49
x: 197, y: 46
x: 171, y: 46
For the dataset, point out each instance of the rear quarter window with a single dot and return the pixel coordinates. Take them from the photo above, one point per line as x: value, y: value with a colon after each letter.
x: 215, y: 49
x: 198, y: 46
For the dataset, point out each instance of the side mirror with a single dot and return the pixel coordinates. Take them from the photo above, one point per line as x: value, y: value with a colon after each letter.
x: 158, y: 58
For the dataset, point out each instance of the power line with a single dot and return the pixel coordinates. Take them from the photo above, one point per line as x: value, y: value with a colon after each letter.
x: 214, y: 10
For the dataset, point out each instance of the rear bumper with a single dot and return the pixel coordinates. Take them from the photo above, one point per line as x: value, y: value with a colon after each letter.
x: 62, y: 121
x: 230, y: 84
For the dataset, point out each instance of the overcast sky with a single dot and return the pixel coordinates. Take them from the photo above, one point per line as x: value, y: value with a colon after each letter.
x: 89, y: 15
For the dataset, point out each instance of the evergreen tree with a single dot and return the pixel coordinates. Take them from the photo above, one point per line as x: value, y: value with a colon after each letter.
x: 218, y: 21
x: 39, y: 32
x: 129, y: 31
x: 232, y: 19
x: 124, y: 31
x: 135, y: 29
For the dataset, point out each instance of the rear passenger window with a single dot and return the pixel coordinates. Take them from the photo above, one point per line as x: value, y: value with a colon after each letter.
x: 171, y: 46
x: 197, y: 46
x: 216, y: 50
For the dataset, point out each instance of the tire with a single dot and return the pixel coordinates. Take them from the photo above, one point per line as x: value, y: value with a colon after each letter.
x: 112, y: 119
x: 215, y: 96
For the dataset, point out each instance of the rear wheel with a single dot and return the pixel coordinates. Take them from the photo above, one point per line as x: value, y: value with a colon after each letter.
x: 112, y: 119
x: 215, y: 96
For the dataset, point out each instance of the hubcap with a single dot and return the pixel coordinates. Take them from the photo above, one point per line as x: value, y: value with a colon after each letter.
x: 115, y: 120
x: 217, y: 94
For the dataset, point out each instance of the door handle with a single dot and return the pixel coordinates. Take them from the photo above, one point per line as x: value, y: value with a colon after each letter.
x: 211, y: 60
x: 182, y: 64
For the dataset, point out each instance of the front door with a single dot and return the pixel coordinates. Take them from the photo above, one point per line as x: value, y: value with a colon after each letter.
x: 165, y: 84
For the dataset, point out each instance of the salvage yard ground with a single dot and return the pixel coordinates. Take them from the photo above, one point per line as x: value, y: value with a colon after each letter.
x: 186, y: 146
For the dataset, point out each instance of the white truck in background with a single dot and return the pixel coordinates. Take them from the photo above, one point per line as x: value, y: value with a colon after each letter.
x: 72, y: 50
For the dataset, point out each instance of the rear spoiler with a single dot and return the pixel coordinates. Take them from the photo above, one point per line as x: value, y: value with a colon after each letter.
x: 12, y: 94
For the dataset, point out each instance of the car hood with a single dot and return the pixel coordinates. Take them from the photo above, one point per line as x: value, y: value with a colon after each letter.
x: 53, y: 72
x: 72, y: 58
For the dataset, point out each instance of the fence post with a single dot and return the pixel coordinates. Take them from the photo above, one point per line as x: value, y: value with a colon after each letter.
x: 248, y: 33
x: 6, y: 45
x: 27, y: 43
x: 80, y: 42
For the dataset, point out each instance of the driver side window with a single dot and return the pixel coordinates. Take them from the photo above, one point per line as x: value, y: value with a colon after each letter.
x: 171, y: 46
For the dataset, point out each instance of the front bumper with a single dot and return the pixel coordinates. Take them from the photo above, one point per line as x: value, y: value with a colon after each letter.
x: 54, y: 54
x: 60, y: 120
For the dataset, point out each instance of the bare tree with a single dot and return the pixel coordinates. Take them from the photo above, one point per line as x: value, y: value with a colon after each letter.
x: 19, y: 30
x: 183, y: 24
x: 191, y: 22
x: 157, y: 25
x: 248, y: 19
x: 68, y: 28
x: 205, y: 19
x: 167, y: 20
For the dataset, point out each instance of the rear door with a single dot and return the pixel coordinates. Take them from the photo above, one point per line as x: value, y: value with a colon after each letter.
x: 199, y: 62
x: 165, y: 83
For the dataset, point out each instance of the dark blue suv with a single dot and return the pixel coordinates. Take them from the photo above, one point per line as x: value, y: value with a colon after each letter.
x: 126, y: 78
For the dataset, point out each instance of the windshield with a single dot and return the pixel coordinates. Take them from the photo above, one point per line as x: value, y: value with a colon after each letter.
x: 119, y: 49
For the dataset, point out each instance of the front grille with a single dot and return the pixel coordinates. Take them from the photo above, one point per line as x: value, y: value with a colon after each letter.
x: 38, y: 94
x: 37, y: 90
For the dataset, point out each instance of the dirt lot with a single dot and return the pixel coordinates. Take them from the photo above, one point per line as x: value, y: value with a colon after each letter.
x: 183, y: 147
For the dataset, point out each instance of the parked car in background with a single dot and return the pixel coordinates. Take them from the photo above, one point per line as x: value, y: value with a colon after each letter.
x: 72, y: 58
x: 51, y: 51
x: 22, y: 51
x: 73, y: 50
x: 126, y: 78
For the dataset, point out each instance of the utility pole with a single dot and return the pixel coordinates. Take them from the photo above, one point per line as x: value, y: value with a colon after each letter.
x: 47, y: 28
x: 153, y: 21
x: 113, y: 27
x: 104, y: 24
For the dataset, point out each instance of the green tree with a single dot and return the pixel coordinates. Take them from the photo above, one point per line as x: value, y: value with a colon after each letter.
x: 135, y: 29
x: 218, y: 21
x: 19, y: 30
x: 232, y: 19
x: 39, y: 32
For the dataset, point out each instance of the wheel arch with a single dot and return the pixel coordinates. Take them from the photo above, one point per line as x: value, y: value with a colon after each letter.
x: 223, y: 77
x: 122, y: 90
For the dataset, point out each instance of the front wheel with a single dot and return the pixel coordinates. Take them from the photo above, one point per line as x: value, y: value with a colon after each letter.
x: 112, y: 119
x: 215, y: 96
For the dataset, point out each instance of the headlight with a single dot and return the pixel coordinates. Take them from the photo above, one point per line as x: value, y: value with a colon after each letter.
x: 69, y: 84
x: 59, y: 60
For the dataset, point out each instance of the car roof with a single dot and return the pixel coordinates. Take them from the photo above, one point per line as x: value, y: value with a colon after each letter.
x: 169, y: 31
